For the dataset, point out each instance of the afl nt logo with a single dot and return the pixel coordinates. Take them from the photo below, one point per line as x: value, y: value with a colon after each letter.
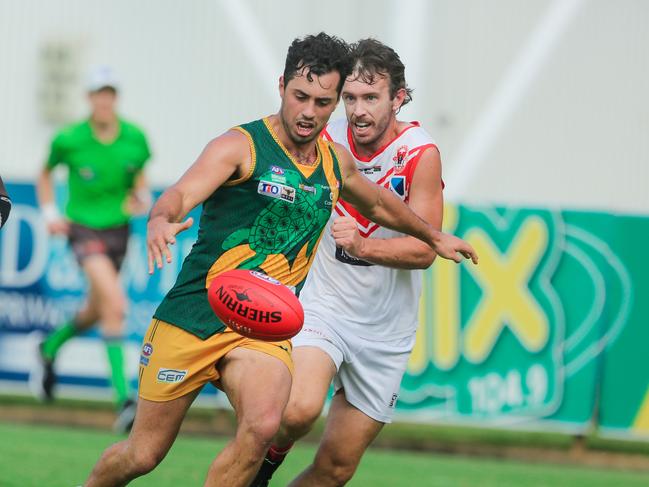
x: 147, y: 349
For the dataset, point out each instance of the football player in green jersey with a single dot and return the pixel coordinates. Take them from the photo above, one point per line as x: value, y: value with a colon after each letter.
x: 104, y: 155
x: 267, y: 188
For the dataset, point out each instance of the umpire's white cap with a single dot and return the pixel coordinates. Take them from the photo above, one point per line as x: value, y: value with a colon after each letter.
x: 101, y: 77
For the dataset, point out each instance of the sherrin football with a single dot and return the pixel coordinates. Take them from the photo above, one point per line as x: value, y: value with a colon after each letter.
x: 255, y: 305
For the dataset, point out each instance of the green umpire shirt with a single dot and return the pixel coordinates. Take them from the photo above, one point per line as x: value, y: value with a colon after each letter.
x: 101, y: 175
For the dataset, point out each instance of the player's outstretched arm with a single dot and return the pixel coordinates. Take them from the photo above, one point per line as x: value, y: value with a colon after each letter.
x: 381, y: 206
x: 225, y: 157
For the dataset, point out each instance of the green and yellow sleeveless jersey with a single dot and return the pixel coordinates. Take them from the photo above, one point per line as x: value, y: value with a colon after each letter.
x: 100, y: 175
x: 270, y: 220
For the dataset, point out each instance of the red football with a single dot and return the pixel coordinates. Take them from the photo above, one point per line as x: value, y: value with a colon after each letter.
x: 255, y: 305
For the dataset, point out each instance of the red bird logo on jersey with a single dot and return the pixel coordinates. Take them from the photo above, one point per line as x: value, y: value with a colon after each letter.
x: 400, y: 159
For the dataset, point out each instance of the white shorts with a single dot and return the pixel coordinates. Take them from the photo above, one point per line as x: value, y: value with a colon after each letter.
x: 370, y: 372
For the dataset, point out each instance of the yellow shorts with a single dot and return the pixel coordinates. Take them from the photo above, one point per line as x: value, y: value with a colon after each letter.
x: 173, y: 362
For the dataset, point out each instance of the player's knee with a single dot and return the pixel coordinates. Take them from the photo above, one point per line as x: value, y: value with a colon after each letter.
x: 262, y: 429
x: 337, y: 471
x: 299, y: 417
x: 145, y: 460
x: 340, y: 475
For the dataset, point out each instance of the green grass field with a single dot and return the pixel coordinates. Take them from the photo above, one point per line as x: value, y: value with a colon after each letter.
x: 47, y: 456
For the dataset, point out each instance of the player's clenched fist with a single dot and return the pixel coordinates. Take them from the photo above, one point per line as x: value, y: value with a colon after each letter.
x: 345, y: 233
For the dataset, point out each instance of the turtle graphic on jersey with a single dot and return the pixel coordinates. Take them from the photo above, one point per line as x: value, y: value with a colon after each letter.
x: 280, y: 224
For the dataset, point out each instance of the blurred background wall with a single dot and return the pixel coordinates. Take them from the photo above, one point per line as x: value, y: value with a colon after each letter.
x: 540, y: 103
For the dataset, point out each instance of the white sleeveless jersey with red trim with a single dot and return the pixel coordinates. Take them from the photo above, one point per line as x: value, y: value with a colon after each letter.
x: 379, y: 302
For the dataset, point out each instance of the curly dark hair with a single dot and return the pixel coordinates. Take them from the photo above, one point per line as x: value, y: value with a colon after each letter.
x: 372, y: 58
x: 318, y: 54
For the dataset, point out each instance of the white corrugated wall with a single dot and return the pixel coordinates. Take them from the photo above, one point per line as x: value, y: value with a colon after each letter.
x: 542, y: 102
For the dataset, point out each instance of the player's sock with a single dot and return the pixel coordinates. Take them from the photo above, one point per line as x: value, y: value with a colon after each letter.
x: 56, y: 339
x: 115, y: 351
x: 274, y: 458
x: 276, y: 454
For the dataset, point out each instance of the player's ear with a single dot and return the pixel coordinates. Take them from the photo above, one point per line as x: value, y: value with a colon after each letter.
x: 281, y: 86
x: 397, y: 101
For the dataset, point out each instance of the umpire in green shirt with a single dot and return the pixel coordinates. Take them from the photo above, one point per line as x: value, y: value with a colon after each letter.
x: 104, y: 155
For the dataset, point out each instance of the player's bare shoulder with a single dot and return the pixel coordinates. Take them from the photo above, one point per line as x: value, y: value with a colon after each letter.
x: 233, y: 144
x: 345, y: 158
x: 231, y: 150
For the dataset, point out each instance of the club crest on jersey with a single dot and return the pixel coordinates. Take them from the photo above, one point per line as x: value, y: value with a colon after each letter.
x: 400, y: 159
x: 277, y: 170
x: 276, y: 190
x: 398, y: 186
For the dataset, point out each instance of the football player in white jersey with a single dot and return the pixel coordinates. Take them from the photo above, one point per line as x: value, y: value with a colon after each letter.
x: 362, y: 295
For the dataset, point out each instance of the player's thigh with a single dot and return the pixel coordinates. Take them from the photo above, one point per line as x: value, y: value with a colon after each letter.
x: 348, y: 432
x: 314, y: 371
x: 257, y: 385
